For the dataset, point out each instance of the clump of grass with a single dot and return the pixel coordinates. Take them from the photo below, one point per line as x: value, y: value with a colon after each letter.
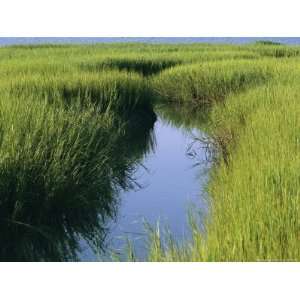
x: 255, y: 200
x: 220, y: 55
x: 204, y: 83
x: 119, y: 92
x: 278, y: 51
x: 267, y: 42
x: 144, y: 64
x: 52, y: 162
x: 59, y: 177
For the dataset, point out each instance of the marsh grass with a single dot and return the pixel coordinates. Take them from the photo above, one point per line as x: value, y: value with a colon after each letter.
x: 59, y: 176
x: 144, y: 65
x: 201, y: 84
x: 119, y: 92
x: 67, y: 122
x: 56, y: 168
x: 254, y: 190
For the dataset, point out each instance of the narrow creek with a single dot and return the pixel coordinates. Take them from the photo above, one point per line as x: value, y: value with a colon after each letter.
x: 170, y: 182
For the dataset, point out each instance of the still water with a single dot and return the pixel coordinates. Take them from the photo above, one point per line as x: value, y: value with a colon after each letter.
x: 170, y: 183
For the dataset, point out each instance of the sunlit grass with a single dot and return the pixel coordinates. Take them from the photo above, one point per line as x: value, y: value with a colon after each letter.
x: 66, y: 109
x: 254, y: 185
x: 203, y: 83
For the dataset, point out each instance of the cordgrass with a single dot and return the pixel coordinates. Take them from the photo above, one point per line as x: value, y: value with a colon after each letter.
x: 59, y: 176
x: 254, y: 184
x: 254, y: 195
x: 146, y: 65
x: 69, y: 114
x: 119, y: 92
x: 209, y: 82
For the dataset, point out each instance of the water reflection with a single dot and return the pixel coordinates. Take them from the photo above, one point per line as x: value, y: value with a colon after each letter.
x: 186, y: 117
x: 75, y: 223
x: 51, y: 227
x: 171, y: 184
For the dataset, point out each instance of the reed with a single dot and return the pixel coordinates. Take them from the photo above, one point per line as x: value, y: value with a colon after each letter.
x: 67, y: 110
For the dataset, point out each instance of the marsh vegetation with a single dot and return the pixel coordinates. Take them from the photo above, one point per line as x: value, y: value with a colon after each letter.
x: 76, y: 121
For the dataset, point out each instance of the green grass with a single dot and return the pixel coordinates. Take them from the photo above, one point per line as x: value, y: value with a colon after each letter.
x: 209, y: 82
x: 254, y: 193
x: 57, y: 175
x: 76, y: 120
x: 60, y: 169
x: 64, y: 154
x: 146, y: 65
x: 119, y: 92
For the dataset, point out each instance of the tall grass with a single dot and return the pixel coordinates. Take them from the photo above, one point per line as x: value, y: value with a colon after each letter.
x: 60, y: 173
x: 68, y: 120
x: 203, y: 83
x: 254, y: 188
x: 146, y: 65
x: 64, y: 154
x: 119, y: 92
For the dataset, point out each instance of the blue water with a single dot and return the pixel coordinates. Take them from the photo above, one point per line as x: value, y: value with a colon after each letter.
x: 180, y: 40
x: 171, y: 186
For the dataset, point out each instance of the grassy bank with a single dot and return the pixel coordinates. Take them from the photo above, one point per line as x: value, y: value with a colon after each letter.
x: 254, y: 191
x: 67, y: 110
x: 254, y: 186
x: 64, y: 153
x: 61, y: 170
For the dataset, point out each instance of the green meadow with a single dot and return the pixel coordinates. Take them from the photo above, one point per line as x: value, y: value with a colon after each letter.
x: 69, y: 112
